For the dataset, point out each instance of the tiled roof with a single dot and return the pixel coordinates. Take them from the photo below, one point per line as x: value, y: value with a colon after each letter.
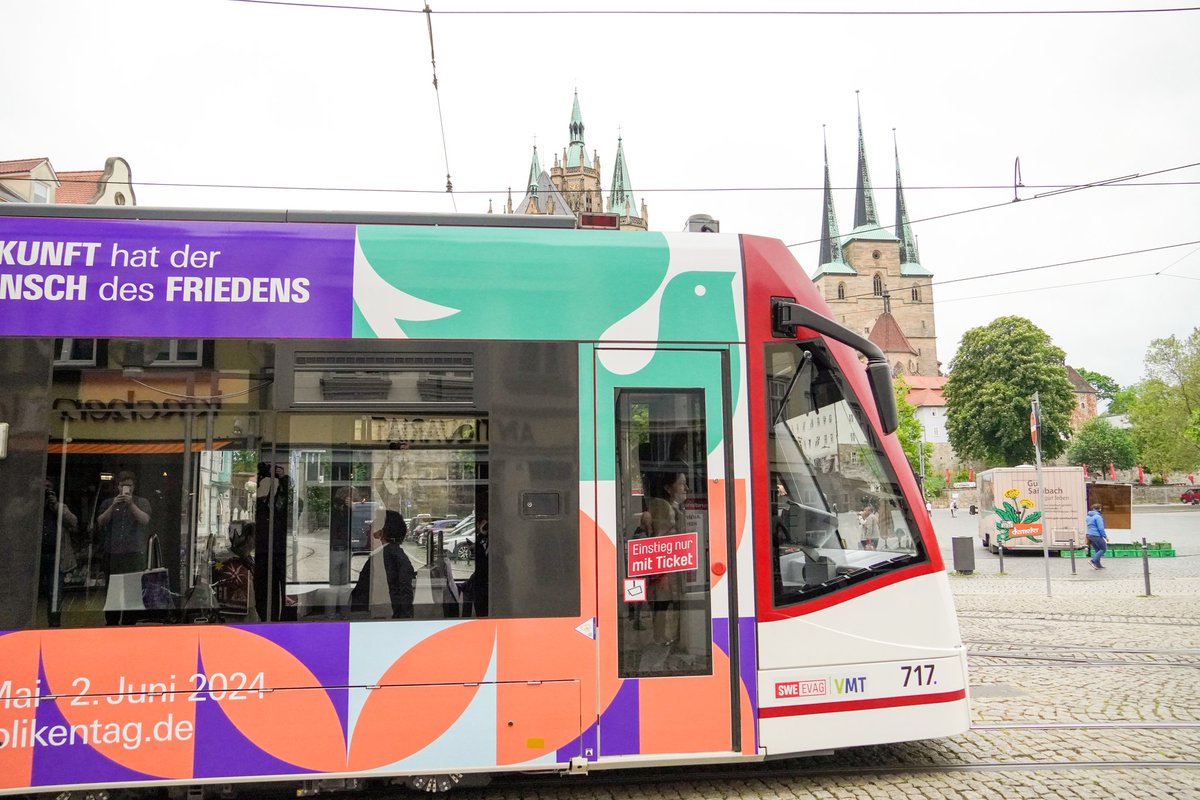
x: 78, y: 187
x: 926, y: 390
x: 889, y: 337
x: 20, y: 165
x: 1077, y: 380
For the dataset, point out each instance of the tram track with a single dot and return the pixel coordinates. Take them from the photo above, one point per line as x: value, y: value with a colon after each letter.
x: 772, y: 771
x: 1090, y: 619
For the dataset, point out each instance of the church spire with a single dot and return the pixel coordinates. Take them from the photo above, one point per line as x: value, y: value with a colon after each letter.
x: 908, y: 242
x: 620, y: 199
x: 535, y: 171
x: 864, y: 195
x: 831, y: 240
x: 577, y: 153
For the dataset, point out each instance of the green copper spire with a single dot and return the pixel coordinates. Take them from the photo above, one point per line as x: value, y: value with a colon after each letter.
x: 910, y: 261
x: 864, y: 195
x: 535, y: 169
x: 832, y: 259
x: 577, y: 154
x: 620, y: 199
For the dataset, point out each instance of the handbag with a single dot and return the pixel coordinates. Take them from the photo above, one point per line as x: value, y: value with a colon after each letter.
x: 147, y: 590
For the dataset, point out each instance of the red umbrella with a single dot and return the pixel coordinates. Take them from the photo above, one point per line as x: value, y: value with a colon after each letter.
x: 970, y: 474
x: 1191, y: 477
x: 1112, y: 471
x: 1085, y: 472
x: 947, y: 476
x: 1141, y: 475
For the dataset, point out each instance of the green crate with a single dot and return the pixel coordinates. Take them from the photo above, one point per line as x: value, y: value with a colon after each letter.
x: 1123, y: 550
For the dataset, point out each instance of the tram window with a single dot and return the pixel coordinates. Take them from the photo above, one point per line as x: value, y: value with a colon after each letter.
x: 662, y: 502
x: 837, y: 513
x: 247, y: 513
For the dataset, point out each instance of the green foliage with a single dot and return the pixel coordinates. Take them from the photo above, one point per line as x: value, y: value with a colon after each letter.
x: 993, y: 376
x: 1105, y: 385
x: 1098, y: 443
x: 934, y: 485
x: 1166, y: 412
x: 909, y: 431
x: 1123, y: 400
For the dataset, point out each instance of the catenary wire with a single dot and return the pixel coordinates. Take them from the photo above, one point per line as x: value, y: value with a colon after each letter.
x: 1056, y: 188
x: 1007, y: 272
x: 740, y: 12
x: 438, y: 94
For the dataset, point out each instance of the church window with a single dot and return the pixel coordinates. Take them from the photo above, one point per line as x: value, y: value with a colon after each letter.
x: 841, y: 291
x: 877, y: 284
x: 916, y: 294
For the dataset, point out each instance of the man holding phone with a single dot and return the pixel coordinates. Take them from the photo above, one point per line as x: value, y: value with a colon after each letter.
x: 125, y: 523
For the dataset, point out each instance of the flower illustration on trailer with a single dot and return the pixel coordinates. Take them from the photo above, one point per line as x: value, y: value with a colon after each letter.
x: 1013, y: 512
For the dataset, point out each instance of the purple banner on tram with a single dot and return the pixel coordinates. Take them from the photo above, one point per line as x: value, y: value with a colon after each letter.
x: 110, y: 278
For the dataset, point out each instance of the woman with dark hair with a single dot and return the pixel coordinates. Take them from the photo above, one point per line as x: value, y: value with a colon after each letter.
x: 385, y: 584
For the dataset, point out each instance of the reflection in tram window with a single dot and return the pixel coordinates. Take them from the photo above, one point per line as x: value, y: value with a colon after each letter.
x: 836, y: 510
x: 260, y: 490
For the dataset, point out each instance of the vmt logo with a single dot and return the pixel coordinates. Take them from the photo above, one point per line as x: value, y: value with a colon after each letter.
x: 856, y: 685
x: 801, y: 689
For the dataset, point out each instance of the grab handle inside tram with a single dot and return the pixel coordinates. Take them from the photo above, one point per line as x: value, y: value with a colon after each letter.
x: 786, y: 316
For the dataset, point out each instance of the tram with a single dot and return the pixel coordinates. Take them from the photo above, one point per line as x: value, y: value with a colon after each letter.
x: 682, y: 528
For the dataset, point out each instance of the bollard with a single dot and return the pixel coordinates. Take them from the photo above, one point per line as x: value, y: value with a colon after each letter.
x: 1073, y: 557
x: 1000, y: 551
x: 1146, y: 565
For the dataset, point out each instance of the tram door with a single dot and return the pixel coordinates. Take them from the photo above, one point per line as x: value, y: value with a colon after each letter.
x: 662, y: 553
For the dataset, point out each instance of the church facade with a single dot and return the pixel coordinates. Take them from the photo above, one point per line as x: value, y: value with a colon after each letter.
x: 873, y: 279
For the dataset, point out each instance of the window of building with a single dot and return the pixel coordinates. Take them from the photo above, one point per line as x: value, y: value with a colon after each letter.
x: 74, y: 352
x: 41, y: 192
x: 916, y: 294
x: 178, y: 352
x: 877, y: 285
x: 841, y: 291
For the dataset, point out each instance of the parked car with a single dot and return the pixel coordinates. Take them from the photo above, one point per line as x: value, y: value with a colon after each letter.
x: 459, y: 543
x: 1190, y: 496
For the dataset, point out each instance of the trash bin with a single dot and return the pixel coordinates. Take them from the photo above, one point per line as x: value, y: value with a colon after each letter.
x: 974, y: 510
x: 964, y: 554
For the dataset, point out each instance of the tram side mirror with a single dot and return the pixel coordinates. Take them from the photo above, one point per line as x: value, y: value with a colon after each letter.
x: 880, y: 377
x: 786, y: 315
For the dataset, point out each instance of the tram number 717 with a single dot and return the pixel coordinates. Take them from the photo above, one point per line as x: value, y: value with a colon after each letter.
x: 919, y: 675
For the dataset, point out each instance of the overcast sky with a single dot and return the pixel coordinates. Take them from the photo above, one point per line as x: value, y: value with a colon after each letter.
x: 721, y: 114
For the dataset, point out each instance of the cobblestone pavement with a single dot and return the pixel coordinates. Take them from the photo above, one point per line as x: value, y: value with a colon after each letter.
x: 1091, y: 653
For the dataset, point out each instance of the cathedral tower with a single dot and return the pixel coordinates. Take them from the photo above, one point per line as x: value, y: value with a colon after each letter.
x: 872, y: 279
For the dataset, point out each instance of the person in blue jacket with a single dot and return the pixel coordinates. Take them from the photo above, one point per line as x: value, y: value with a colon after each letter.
x: 1097, y: 538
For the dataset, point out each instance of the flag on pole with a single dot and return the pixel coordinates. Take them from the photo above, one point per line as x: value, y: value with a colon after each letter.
x: 971, y: 474
x: 1141, y: 475
x: 947, y: 476
x: 1112, y: 471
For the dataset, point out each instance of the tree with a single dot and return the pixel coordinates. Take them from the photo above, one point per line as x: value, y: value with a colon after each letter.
x: 1166, y: 413
x: 993, y: 376
x: 1123, y: 400
x: 1099, y: 443
x: 909, y: 431
x: 1104, y: 385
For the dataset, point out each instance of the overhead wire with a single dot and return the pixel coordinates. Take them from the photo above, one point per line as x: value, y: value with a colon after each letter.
x: 696, y: 12
x: 1052, y: 188
x: 1021, y: 270
x: 437, y: 93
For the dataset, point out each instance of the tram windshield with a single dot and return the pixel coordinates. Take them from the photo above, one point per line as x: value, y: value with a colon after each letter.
x: 837, y: 512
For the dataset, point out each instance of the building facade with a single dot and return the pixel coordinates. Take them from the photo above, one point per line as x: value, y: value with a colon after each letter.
x: 34, y: 180
x: 572, y: 185
x: 873, y: 279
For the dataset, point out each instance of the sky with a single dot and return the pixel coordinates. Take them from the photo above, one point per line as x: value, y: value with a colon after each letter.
x: 721, y: 114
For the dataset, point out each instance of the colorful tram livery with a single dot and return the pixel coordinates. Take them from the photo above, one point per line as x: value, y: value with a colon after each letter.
x: 674, y: 524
